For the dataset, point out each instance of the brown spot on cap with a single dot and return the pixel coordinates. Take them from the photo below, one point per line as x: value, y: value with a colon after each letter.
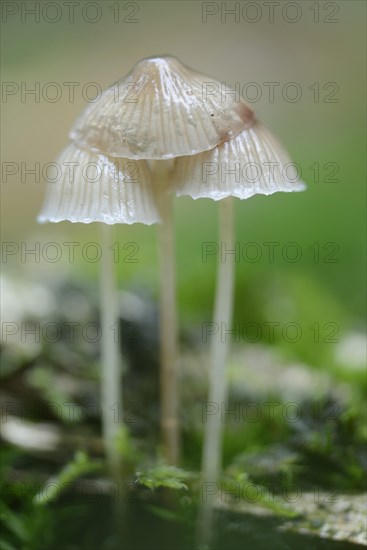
x: 225, y: 136
x: 248, y: 118
x: 245, y: 114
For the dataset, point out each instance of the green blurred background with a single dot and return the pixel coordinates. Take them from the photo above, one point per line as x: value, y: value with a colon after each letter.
x: 305, y: 52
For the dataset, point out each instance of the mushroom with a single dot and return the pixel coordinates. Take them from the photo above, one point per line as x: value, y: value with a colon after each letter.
x: 156, y: 113
x: 159, y: 111
x: 251, y: 163
x: 91, y: 187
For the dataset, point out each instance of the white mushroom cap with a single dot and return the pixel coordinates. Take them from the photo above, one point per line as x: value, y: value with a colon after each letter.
x: 161, y: 110
x: 90, y: 187
x: 252, y: 163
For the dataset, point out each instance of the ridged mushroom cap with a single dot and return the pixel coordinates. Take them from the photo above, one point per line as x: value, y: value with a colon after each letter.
x: 90, y: 187
x: 252, y: 163
x: 161, y: 110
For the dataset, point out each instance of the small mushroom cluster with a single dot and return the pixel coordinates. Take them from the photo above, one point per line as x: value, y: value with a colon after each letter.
x: 155, y: 134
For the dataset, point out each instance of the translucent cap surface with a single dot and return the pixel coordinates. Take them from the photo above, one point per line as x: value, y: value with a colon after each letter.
x: 252, y: 163
x: 89, y: 187
x: 160, y: 110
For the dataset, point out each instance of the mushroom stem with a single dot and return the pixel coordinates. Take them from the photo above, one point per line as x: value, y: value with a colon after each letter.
x: 219, y: 349
x: 111, y: 390
x: 168, y: 318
